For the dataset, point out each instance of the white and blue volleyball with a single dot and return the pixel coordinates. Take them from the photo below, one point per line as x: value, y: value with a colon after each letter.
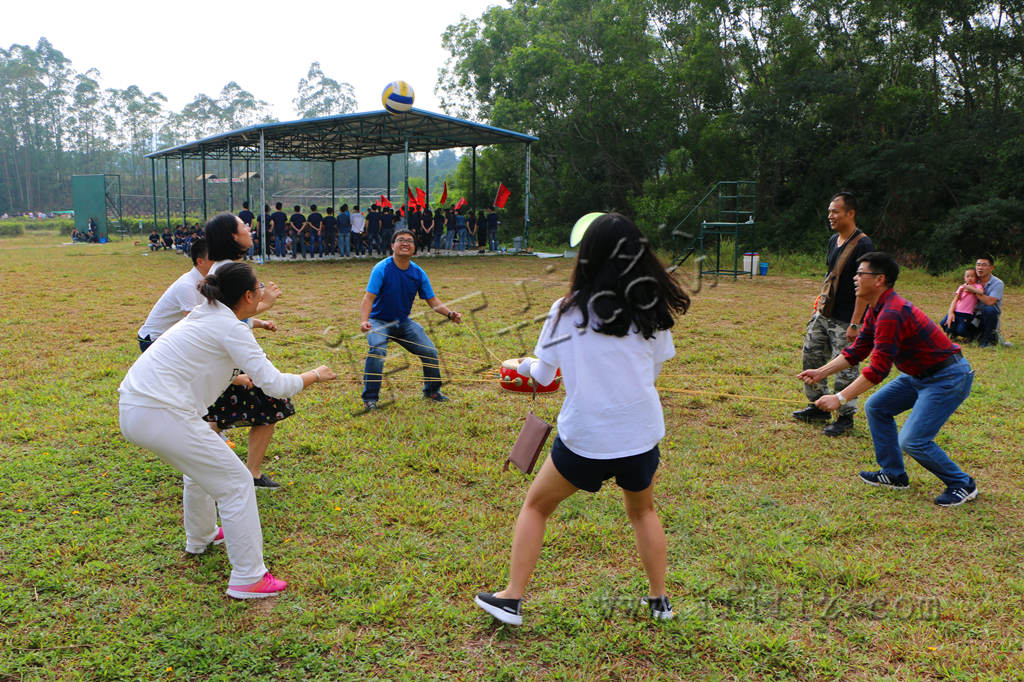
x: 398, y: 97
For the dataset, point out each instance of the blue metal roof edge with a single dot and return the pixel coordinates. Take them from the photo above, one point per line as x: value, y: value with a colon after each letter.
x: 335, y: 117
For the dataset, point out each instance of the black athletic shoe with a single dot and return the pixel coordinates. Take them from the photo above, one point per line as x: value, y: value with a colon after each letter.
x: 660, y: 607
x: 901, y: 482
x: 812, y: 414
x: 437, y: 397
x: 842, y: 424
x: 957, y: 495
x: 370, y: 405
x: 505, y: 610
x: 265, y: 482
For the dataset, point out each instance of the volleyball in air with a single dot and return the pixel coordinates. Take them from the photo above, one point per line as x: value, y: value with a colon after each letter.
x: 398, y: 97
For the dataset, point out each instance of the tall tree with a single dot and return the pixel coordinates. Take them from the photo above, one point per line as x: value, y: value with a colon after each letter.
x: 319, y: 95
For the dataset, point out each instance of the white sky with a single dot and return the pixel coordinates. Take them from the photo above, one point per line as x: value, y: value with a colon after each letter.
x: 186, y: 47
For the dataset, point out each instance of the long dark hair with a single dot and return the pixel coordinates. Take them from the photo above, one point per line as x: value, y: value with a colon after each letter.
x: 220, y: 240
x: 619, y: 279
x: 228, y: 284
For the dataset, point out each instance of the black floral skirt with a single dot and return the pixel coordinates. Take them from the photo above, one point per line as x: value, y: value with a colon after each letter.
x: 239, y: 406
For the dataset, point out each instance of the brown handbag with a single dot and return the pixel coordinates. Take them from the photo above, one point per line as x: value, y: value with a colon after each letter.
x: 528, y: 445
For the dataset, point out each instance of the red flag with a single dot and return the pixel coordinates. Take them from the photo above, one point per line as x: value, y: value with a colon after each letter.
x: 384, y: 203
x: 412, y: 198
x: 462, y: 202
x: 421, y: 198
x: 444, y: 194
x: 502, y: 196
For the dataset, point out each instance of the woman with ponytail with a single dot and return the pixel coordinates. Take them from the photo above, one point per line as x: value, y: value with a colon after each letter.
x: 243, y: 404
x: 164, y: 397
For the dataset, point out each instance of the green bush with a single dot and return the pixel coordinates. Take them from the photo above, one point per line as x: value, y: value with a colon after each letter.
x: 11, y: 229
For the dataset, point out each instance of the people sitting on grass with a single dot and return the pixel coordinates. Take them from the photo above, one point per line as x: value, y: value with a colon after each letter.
x: 990, y: 300
x: 154, y: 241
x: 959, y: 320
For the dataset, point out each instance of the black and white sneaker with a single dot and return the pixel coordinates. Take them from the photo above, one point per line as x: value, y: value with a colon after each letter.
x: 901, y: 482
x: 956, y: 495
x: 660, y: 607
x: 265, y: 482
x: 505, y: 610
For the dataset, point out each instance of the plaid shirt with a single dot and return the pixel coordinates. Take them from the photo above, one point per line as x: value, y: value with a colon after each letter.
x: 895, y: 331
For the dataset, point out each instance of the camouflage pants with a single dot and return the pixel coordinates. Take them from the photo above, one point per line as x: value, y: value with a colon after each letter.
x: 824, y: 339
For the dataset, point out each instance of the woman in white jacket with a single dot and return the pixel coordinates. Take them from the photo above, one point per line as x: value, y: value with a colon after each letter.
x: 164, y: 397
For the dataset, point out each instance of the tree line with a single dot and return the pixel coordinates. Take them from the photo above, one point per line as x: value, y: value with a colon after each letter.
x: 641, y: 104
x: 56, y: 122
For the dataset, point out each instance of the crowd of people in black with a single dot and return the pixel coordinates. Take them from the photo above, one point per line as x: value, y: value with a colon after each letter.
x: 180, y: 240
x: 351, y: 233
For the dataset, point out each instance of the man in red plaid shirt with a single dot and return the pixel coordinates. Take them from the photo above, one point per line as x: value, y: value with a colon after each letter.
x: 935, y: 379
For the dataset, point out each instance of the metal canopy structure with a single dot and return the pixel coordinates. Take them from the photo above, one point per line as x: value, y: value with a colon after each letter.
x: 345, y: 136
x: 337, y: 138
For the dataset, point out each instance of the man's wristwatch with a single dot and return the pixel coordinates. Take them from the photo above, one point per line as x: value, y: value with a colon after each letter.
x: 855, y: 326
x: 842, y: 400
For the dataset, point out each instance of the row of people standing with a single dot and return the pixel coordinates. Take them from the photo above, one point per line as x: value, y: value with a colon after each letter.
x: 351, y: 233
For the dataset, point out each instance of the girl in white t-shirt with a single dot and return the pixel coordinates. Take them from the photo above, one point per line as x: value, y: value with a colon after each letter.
x: 162, y: 402
x: 609, y: 336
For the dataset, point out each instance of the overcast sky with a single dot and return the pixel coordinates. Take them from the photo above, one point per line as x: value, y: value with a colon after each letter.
x: 186, y: 47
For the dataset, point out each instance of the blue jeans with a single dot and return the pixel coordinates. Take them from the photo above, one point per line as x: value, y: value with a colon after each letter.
x: 345, y: 244
x: 933, y: 400
x: 410, y: 336
x: 437, y: 239
x: 492, y: 239
x: 279, y: 248
x: 318, y: 244
x: 959, y: 326
x: 463, y: 238
x: 988, y: 334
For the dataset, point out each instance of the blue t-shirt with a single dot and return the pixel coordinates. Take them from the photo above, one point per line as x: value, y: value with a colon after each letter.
x: 396, y: 289
x: 344, y: 222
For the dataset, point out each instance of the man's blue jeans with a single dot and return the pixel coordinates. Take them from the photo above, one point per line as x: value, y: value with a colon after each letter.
x: 345, y: 244
x: 318, y: 244
x: 410, y: 336
x: 279, y: 248
x: 933, y: 400
x: 988, y: 334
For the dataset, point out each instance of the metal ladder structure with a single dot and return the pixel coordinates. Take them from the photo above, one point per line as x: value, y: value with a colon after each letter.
x: 724, y: 215
x: 114, y: 205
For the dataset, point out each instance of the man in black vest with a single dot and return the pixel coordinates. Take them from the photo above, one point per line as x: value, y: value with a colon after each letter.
x: 832, y: 329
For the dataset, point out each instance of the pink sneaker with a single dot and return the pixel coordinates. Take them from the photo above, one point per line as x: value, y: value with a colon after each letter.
x: 218, y: 539
x: 268, y: 586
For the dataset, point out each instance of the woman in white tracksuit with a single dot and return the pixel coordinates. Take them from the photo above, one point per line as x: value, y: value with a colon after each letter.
x: 164, y: 397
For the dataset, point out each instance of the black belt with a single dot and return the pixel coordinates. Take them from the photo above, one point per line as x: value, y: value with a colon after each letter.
x: 934, y: 369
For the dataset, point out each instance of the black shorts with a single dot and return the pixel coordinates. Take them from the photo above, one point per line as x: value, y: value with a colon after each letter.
x: 633, y: 473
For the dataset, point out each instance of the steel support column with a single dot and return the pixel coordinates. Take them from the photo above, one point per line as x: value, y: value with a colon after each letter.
x: 526, y: 203
x: 231, y: 181
x: 152, y: 170
x: 202, y: 156
x: 167, y: 190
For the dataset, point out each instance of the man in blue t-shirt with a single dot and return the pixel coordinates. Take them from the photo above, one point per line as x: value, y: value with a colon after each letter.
x: 384, y: 312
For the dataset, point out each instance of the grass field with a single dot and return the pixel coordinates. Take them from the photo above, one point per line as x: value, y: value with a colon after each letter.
x: 781, y: 564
